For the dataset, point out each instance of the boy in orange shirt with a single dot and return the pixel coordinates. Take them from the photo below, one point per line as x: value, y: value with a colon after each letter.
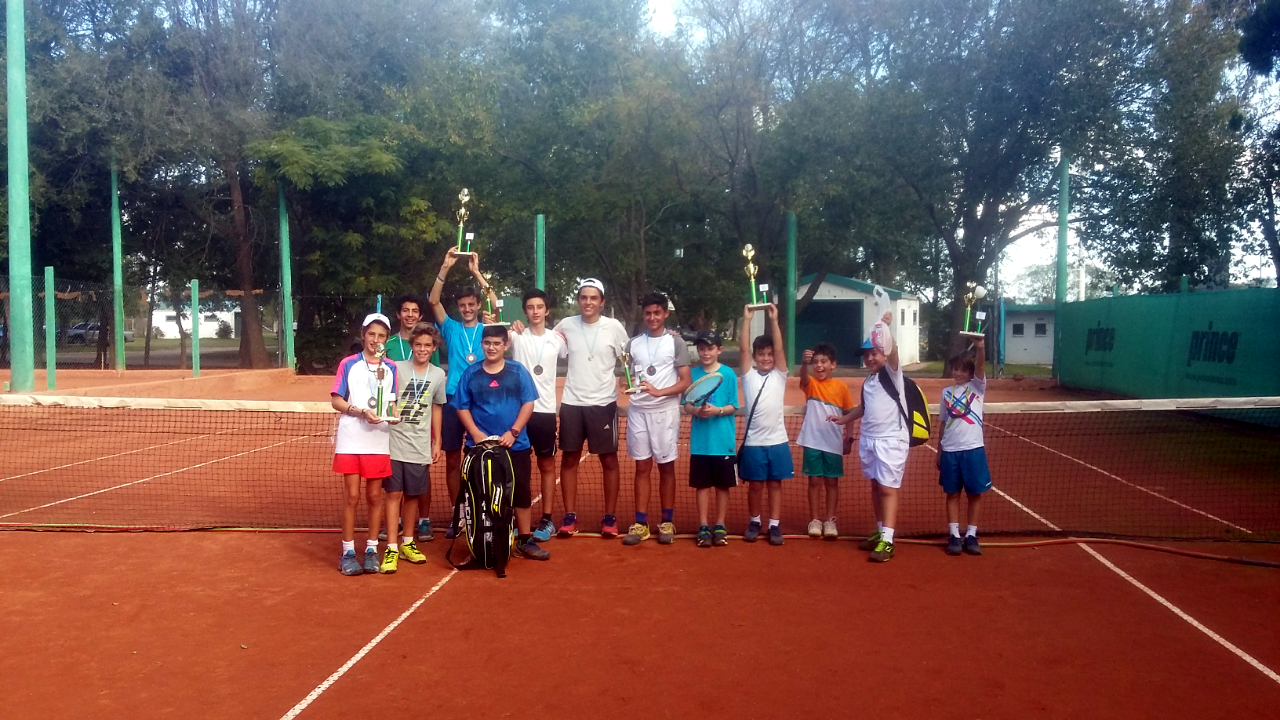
x: 823, y: 441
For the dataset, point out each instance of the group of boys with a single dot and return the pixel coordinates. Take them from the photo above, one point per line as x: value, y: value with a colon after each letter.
x: 484, y: 395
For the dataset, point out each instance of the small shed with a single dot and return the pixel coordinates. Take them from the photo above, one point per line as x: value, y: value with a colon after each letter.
x: 1028, y: 334
x: 165, y: 320
x: 842, y: 312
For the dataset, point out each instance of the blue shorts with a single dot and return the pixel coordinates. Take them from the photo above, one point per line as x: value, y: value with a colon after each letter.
x: 967, y: 468
x: 766, y: 462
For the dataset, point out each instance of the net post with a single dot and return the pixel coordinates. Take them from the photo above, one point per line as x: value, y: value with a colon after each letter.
x: 540, y: 252
x: 21, y: 313
x: 50, y: 331
x: 195, y: 328
x: 117, y: 271
x: 1060, y: 296
x: 286, y: 282
x: 791, y: 287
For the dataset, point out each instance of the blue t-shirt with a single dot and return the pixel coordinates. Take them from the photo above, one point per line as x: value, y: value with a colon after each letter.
x: 716, y: 435
x: 494, y: 400
x: 461, y: 342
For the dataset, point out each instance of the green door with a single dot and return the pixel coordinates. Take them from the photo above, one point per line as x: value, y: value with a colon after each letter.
x: 838, y: 322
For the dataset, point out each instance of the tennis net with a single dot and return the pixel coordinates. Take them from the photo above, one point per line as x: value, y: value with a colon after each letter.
x: 1177, y: 469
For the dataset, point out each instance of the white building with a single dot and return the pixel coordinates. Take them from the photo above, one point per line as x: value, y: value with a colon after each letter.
x: 1028, y: 334
x: 166, y: 320
x: 842, y: 313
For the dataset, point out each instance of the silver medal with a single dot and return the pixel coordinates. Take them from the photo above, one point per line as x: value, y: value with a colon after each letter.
x: 651, y: 370
x: 471, y: 357
x: 537, y: 369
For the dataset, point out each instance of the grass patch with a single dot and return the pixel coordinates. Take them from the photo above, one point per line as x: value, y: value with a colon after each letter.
x: 935, y: 369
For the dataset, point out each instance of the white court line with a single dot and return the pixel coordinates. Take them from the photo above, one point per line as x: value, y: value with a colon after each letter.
x: 116, y: 455
x: 329, y: 681
x: 1126, y: 482
x: 153, y: 477
x: 1154, y: 595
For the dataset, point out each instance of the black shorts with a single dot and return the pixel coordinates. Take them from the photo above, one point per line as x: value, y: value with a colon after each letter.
x: 542, y: 434
x: 596, y: 426
x: 522, y: 469
x: 713, y: 471
x: 452, y: 434
x: 412, y: 479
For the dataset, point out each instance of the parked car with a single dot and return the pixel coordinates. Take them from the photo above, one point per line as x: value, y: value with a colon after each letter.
x: 87, y: 332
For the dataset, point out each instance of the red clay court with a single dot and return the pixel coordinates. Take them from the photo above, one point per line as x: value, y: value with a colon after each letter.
x: 253, y: 624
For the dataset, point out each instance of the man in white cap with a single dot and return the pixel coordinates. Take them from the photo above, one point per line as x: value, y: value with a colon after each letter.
x: 589, y: 404
x: 363, y: 392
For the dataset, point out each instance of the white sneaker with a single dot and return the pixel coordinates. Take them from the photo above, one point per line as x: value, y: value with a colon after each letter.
x: 815, y: 528
x: 829, y: 530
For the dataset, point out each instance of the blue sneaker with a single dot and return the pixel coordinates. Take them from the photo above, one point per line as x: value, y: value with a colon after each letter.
x: 775, y: 535
x: 545, y: 530
x: 425, y: 533
x: 372, y: 563
x: 753, y: 532
x: 953, y: 545
x: 971, y: 545
x: 349, y: 565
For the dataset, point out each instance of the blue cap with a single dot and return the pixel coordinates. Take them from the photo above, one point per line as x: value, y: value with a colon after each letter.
x: 866, y: 344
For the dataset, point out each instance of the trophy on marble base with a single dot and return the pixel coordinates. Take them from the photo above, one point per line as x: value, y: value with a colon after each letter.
x: 761, y: 291
x: 976, y: 293
x: 463, y: 198
x: 383, y: 409
x: 632, y: 387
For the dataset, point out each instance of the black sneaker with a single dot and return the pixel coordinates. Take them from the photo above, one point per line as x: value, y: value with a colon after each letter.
x: 870, y: 543
x: 971, y: 545
x: 752, y: 533
x: 719, y: 536
x: 775, y: 535
x: 882, y: 553
x: 529, y: 549
x: 953, y: 545
x: 704, y: 536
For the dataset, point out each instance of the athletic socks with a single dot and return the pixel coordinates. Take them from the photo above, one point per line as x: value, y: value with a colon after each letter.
x: 642, y: 518
x: 371, y: 545
x: 570, y: 518
x: 954, y: 529
x: 668, y: 514
x: 393, y: 547
x: 972, y: 530
x: 546, y: 517
x: 879, y: 527
x: 348, y: 546
x: 755, y: 519
x: 406, y: 540
x: 610, y: 520
x: 774, y: 522
x: 522, y: 539
x: 886, y: 534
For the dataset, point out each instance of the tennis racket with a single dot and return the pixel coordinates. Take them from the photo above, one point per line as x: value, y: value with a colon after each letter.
x: 701, y: 390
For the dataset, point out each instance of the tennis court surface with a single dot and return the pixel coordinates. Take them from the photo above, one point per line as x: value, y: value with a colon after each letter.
x: 260, y: 624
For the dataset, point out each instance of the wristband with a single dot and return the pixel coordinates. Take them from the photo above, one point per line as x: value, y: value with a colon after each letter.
x: 514, y: 432
x: 439, y: 279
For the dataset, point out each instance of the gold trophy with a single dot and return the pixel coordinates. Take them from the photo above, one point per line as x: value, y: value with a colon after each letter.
x: 489, y: 304
x: 976, y: 293
x: 384, y: 410
x: 632, y: 388
x: 463, y: 198
x: 749, y: 253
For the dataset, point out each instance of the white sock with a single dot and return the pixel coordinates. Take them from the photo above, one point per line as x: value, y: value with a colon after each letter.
x: 887, y: 534
x: 392, y: 547
x: 371, y: 545
x: 880, y: 527
x: 406, y: 540
x: 954, y: 528
x: 773, y: 523
x: 755, y: 519
x: 972, y: 530
x: 348, y: 546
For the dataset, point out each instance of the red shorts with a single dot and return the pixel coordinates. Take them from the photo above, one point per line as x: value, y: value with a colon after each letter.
x: 370, y: 467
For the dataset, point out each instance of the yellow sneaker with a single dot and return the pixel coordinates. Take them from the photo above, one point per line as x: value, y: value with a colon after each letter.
x: 389, y: 561
x: 666, y: 533
x: 636, y: 534
x: 409, y: 551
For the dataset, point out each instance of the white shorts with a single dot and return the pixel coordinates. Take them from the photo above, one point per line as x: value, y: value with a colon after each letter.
x: 884, y: 459
x: 653, y: 434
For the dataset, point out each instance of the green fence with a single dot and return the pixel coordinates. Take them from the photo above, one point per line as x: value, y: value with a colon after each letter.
x: 1202, y: 344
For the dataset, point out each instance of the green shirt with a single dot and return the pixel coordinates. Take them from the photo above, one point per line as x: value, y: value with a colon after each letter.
x: 399, y: 349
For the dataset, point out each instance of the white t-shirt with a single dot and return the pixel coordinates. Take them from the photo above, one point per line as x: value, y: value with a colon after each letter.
x: 881, y: 415
x: 411, y: 437
x: 593, y: 352
x: 357, y: 383
x: 540, y: 351
x: 767, y: 426
x: 962, y: 415
x: 665, y: 354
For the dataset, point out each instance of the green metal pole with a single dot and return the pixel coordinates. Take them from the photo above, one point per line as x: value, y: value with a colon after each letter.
x: 50, y: 331
x: 286, y: 282
x: 791, y: 287
x: 20, y: 326
x: 540, y: 252
x: 195, y: 328
x: 1060, y: 295
x: 117, y: 270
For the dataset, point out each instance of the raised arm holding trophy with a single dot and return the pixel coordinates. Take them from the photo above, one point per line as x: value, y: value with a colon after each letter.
x: 463, y: 198
x: 976, y: 293
x: 760, y: 292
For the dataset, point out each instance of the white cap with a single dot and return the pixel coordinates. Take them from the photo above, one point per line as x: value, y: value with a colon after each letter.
x: 591, y: 283
x: 373, y: 318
